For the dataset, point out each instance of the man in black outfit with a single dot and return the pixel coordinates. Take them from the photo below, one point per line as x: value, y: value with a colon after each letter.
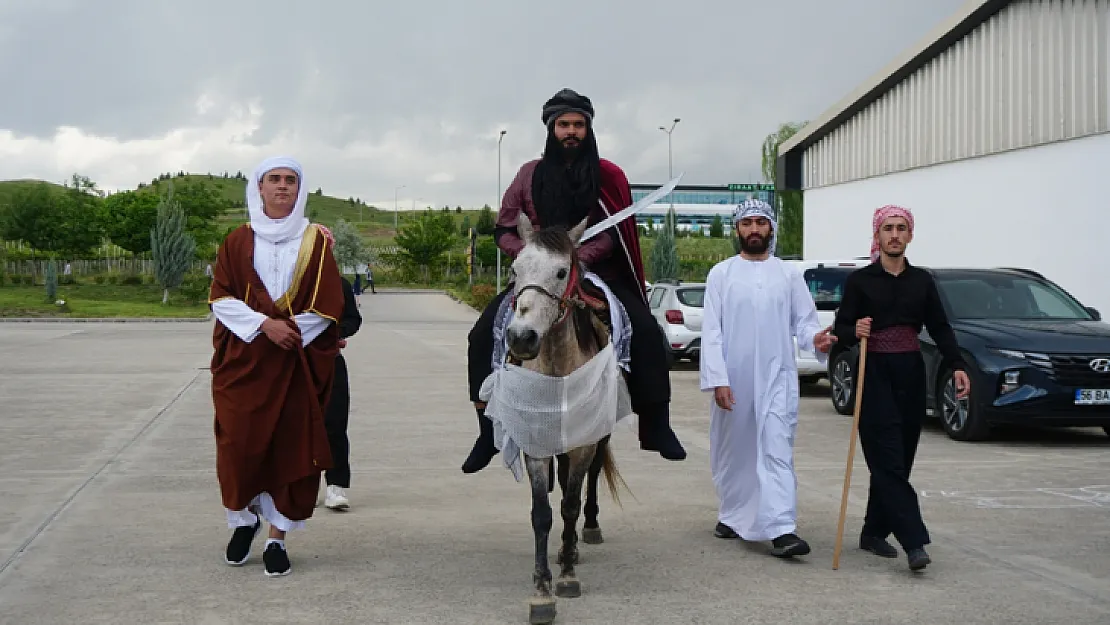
x: 568, y: 184
x: 338, y: 478
x: 889, y: 301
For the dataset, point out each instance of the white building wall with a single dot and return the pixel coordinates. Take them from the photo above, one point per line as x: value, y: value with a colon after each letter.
x: 1036, y: 72
x: 1042, y: 208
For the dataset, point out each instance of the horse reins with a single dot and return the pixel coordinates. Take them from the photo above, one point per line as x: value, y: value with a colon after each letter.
x: 573, y: 296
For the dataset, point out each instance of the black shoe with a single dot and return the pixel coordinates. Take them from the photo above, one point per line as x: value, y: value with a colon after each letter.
x: 484, y: 449
x: 276, y: 560
x: 239, y: 547
x: 656, y: 433
x: 918, y: 559
x: 789, y: 545
x: 724, y: 531
x: 877, y: 546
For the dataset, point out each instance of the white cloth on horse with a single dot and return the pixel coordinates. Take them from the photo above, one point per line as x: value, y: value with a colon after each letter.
x: 544, y: 415
x: 621, y: 333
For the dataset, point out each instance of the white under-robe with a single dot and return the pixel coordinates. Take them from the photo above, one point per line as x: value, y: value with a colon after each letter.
x: 753, y: 312
x: 274, y: 265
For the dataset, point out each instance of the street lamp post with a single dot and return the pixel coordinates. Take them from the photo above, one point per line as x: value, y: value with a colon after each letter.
x: 396, y: 207
x: 497, y: 205
x: 670, y: 173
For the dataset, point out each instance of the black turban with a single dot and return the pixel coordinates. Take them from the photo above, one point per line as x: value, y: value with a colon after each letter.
x: 567, y: 101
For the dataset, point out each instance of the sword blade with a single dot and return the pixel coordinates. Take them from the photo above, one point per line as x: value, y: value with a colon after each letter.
x: 644, y: 202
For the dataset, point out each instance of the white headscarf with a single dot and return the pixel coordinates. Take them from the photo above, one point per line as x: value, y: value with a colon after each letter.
x: 758, y: 208
x: 277, y: 230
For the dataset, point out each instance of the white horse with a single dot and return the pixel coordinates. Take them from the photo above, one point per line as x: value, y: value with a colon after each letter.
x: 556, y: 329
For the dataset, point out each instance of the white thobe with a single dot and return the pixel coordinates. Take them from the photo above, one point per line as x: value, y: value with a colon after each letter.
x: 274, y: 264
x: 753, y: 312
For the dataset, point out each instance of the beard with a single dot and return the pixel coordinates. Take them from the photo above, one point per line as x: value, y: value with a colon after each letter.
x: 567, y: 181
x: 755, y: 243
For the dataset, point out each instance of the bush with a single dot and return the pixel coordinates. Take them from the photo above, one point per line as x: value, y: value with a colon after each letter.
x: 194, y: 288
x: 481, y: 295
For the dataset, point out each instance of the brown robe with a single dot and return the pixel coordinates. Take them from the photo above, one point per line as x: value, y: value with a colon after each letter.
x: 269, y: 402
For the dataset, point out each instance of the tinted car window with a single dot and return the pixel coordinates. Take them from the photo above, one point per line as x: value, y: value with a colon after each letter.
x: 826, y: 285
x: 692, y: 297
x: 657, y: 297
x: 999, y: 296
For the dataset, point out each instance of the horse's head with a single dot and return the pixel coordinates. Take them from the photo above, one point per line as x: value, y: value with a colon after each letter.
x: 546, y: 276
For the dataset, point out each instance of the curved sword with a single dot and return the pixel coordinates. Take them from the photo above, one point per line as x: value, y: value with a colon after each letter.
x: 644, y: 202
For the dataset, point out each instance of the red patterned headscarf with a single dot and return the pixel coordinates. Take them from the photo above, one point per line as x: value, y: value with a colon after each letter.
x: 881, y: 215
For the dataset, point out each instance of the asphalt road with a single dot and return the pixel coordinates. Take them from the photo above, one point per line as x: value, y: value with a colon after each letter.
x: 111, y: 512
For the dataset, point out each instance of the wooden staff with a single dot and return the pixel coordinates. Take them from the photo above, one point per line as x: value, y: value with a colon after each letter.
x: 851, y: 451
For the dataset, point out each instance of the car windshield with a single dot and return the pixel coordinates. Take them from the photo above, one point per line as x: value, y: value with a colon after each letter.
x: 694, y: 296
x: 1003, y: 296
x: 826, y: 285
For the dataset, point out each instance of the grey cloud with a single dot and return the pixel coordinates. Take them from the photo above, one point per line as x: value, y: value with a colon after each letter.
x: 377, y: 95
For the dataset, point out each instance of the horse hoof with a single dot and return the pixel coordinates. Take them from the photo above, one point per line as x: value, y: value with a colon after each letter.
x: 568, y: 587
x: 541, y: 611
x: 592, y: 536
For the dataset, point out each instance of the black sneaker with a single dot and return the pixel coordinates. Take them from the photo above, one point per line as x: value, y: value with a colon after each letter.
x: 724, y: 531
x: 918, y: 559
x: 878, y: 546
x: 276, y: 560
x: 789, y: 545
x: 239, y: 547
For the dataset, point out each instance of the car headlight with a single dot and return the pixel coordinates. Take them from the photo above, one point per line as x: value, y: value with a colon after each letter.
x: 1033, y: 358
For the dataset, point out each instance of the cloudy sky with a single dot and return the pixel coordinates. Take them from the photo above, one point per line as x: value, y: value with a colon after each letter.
x: 373, y: 95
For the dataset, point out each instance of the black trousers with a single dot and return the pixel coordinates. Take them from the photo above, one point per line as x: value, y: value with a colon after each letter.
x: 891, y: 417
x: 649, y: 381
x: 335, y: 422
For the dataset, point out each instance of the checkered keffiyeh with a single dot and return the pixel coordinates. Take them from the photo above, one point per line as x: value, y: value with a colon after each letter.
x: 881, y: 215
x: 758, y: 208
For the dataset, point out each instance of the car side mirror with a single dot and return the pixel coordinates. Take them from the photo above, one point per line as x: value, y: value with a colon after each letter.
x: 1094, y: 313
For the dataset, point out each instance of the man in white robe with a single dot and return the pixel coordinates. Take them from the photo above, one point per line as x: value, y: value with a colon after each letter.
x: 756, y: 305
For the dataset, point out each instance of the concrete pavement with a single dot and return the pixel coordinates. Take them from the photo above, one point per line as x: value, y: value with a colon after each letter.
x: 111, y: 513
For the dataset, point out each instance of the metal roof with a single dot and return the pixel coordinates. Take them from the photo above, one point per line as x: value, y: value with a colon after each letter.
x: 789, y: 164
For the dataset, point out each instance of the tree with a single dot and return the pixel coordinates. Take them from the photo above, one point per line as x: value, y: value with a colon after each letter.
x: 717, y: 228
x: 128, y: 218
x: 424, y: 240
x: 64, y: 221
x: 171, y: 247
x: 51, y: 282
x: 664, y: 254
x: 464, y: 229
x: 349, y: 250
x: 486, y: 222
x: 789, y: 203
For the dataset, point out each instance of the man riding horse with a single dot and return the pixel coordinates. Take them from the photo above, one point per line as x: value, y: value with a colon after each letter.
x: 568, y: 183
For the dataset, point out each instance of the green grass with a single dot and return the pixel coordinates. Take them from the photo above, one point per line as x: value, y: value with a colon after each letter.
x: 95, y: 301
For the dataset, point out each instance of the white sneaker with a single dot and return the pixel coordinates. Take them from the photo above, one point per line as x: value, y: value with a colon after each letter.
x: 336, y: 498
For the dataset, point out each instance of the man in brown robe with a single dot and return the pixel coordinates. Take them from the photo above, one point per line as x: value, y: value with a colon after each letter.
x: 276, y: 294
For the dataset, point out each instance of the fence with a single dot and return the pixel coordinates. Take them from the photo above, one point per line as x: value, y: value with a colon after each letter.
x: 123, y: 266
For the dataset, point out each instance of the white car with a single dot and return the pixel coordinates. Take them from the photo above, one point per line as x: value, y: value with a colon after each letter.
x: 677, y: 308
x: 825, y: 279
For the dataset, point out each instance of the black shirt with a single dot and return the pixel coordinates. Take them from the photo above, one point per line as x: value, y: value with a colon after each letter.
x: 910, y: 298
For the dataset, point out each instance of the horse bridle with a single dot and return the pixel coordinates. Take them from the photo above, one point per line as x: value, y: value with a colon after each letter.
x: 573, y: 296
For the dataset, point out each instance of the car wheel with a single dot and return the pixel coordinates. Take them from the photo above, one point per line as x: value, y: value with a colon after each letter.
x: 842, y: 380
x: 960, y: 417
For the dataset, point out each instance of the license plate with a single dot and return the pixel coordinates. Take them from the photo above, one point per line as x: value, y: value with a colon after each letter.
x: 1092, y: 396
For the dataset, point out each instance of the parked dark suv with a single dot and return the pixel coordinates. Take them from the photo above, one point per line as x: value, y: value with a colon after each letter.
x: 1036, y: 356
